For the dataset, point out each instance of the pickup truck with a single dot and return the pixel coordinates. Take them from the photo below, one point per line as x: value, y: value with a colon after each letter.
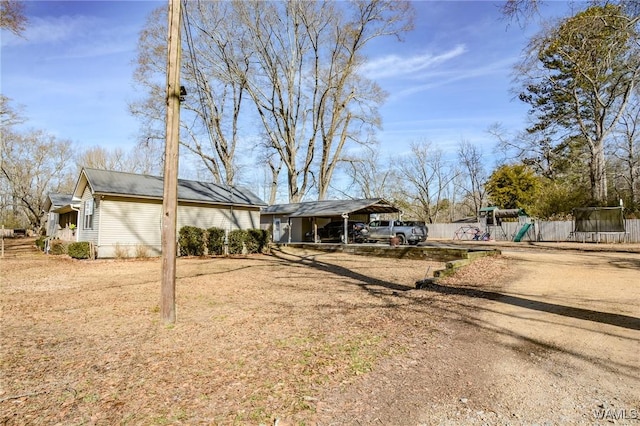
x: 407, y: 232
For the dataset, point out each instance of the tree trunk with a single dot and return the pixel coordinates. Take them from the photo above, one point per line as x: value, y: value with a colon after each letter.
x: 273, y: 186
x: 295, y: 195
x: 598, y: 173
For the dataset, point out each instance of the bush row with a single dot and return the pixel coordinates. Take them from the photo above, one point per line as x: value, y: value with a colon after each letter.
x: 78, y: 250
x: 193, y: 241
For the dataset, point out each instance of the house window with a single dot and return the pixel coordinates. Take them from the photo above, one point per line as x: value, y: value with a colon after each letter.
x: 88, y: 214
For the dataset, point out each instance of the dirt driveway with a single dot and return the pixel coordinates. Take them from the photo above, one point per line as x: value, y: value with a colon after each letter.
x: 303, y: 337
x: 553, y: 338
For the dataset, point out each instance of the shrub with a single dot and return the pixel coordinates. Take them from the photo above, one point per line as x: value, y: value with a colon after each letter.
x: 79, y: 250
x: 40, y: 242
x: 237, y: 240
x: 57, y: 247
x: 240, y: 241
x: 121, y: 252
x: 142, y: 251
x: 215, y: 241
x: 191, y: 241
x: 257, y: 240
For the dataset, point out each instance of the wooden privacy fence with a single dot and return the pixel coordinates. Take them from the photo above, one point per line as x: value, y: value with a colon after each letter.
x: 542, y: 231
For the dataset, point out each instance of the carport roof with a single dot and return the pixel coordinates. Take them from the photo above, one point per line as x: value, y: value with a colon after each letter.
x: 329, y: 208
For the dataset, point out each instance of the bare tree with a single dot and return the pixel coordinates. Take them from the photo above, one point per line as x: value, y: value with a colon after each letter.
x: 10, y: 213
x: 347, y: 104
x: 297, y: 62
x: 101, y: 158
x: 626, y: 152
x: 471, y: 161
x: 150, y: 79
x: 275, y: 82
x: 273, y: 164
x: 428, y: 180
x: 545, y: 150
x: 9, y: 115
x: 34, y: 164
x: 370, y: 177
x: 212, y: 105
x: 521, y: 11
x: 12, y: 16
x: 118, y: 159
x: 213, y: 63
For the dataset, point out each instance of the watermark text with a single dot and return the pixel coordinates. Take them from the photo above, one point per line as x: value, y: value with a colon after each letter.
x: 616, y: 414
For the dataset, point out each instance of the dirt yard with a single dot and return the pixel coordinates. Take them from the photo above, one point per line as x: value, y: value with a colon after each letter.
x: 534, y: 336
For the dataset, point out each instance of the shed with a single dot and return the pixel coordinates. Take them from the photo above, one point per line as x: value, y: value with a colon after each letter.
x: 290, y: 222
x: 123, y: 211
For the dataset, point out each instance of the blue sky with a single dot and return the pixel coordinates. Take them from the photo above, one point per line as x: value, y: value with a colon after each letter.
x: 72, y: 71
x: 452, y: 77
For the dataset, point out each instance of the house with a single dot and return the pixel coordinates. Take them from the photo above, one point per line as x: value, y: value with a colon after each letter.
x: 122, y: 211
x: 62, y: 216
x: 290, y: 222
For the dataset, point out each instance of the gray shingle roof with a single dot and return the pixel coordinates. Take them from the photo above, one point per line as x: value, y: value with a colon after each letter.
x: 58, y: 200
x: 328, y: 208
x: 107, y: 182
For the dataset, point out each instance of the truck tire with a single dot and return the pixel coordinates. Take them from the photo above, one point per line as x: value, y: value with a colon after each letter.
x: 401, y: 239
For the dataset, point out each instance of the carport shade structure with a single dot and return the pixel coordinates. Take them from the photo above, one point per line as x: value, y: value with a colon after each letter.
x: 332, y: 208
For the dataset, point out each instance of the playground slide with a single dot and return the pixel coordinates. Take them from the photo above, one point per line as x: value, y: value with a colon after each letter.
x: 522, y: 232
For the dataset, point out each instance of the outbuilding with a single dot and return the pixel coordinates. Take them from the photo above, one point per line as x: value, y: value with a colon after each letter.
x: 123, y: 211
x: 291, y: 222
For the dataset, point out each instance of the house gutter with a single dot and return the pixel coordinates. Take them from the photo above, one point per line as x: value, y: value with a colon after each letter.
x: 180, y: 200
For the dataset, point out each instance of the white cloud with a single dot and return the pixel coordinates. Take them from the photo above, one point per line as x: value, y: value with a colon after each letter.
x: 398, y: 66
x: 77, y: 36
x: 52, y: 30
x: 451, y: 76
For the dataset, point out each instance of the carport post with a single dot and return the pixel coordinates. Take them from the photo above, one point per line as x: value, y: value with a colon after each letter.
x: 315, y: 231
x: 345, y: 234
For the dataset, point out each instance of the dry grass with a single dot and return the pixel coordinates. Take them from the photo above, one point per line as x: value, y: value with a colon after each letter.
x: 121, y: 252
x: 142, y: 251
x: 318, y: 338
x: 257, y: 338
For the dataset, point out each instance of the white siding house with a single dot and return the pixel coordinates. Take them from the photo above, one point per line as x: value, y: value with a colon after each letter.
x: 123, y: 211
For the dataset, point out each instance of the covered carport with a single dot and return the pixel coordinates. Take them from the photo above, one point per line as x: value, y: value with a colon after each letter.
x: 290, y: 222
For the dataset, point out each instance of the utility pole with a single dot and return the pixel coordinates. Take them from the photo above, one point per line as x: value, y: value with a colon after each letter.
x: 170, y: 199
